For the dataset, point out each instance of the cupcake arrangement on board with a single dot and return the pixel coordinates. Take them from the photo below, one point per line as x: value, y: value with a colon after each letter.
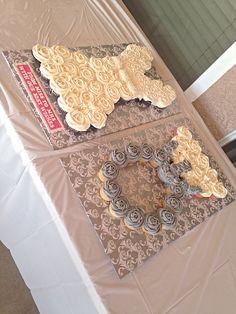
x: 201, y: 174
x: 175, y: 169
x: 88, y: 88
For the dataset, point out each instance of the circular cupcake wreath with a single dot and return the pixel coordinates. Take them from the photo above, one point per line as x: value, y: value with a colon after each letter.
x: 135, y: 218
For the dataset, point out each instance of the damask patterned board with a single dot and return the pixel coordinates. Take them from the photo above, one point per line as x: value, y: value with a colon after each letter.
x: 126, y: 248
x: 126, y: 115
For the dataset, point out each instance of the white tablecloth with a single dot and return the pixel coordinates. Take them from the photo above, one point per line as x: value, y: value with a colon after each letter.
x: 41, y: 220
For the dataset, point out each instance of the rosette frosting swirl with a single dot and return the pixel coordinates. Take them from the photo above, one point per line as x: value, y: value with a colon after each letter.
x: 110, y: 170
x: 97, y: 118
x: 96, y: 63
x: 160, y: 156
x: 103, y: 77
x: 61, y: 83
x: 112, y: 92
x: 57, y: 59
x: 42, y: 53
x: 179, y: 190
x: 184, y: 132
x: 111, y: 189
x: 182, y: 166
x: 68, y: 101
x: 152, y: 223
x: 70, y: 68
x: 184, y: 184
x: 87, y: 73
x: 168, y: 218
x: 176, y: 169
x: 135, y: 217
x: 119, y: 157
x: 203, y: 162
x: 166, y: 175
x: 86, y: 98
x: 108, y: 77
x: 77, y: 120
x: 96, y: 87
x: 212, y: 175
x: 133, y: 152
x: 49, y: 69
x: 173, y: 144
x: 147, y: 152
x: 120, y: 206
x: 219, y: 190
x: 125, y: 92
x: 61, y: 51
x: 195, y: 165
x: 79, y: 84
x: 169, y: 147
x: 105, y: 104
x: 195, y: 147
x: 174, y: 203
x: 185, y: 165
x: 80, y: 58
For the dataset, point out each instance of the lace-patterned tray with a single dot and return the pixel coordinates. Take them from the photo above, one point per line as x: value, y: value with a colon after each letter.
x: 127, y: 114
x: 126, y: 248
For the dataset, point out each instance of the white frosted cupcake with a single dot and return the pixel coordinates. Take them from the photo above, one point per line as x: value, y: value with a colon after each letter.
x: 42, y: 53
x: 219, y: 190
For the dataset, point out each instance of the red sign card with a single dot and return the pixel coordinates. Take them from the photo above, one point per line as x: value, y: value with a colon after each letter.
x: 42, y: 105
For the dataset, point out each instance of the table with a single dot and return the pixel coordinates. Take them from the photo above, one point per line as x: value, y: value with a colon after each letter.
x: 41, y: 221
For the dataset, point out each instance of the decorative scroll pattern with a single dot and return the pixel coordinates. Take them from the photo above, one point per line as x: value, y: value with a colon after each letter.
x: 126, y: 248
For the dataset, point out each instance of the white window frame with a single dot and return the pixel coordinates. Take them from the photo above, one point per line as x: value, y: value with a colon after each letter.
x: 224, y: 63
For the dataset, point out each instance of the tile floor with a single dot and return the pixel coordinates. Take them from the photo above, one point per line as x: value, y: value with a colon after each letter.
x: 15, y: 297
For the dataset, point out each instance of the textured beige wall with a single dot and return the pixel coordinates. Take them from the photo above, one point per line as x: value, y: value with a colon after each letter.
x: 217, y: 106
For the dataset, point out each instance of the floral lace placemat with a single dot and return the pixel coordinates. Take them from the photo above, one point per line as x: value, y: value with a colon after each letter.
x: 126, y: 248
x: 127, y: 114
